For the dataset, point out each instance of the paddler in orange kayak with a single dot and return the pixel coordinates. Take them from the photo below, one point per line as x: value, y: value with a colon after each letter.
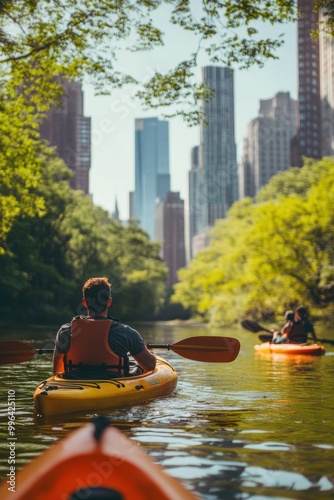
x: 296, y: 328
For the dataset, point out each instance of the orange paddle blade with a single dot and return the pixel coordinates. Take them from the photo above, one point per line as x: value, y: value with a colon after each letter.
x: 14, y: 351
x: 210, y: 349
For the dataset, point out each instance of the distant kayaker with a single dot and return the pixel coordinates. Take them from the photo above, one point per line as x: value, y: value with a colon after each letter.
x: 281, y: 337
x: 296, y: 329
x: 97, y: 346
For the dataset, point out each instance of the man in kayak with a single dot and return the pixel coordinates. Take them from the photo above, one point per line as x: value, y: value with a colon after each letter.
x: 297, y: 328
x: 97, y: 346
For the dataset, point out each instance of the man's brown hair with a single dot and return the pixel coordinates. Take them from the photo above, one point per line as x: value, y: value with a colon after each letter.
x: 97, y: 292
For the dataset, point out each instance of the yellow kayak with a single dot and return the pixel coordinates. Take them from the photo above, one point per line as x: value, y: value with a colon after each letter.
x: 56, y: 396
x: 94, y: 462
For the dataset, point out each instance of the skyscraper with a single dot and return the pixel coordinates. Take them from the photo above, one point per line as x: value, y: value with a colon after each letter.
x: 194, y: 199
x: 326, y: 48
x: 152, y: 179
x: 267, y: 147
x: 70, y: 131
x: 315, y: 137
x: 217, y: 152
x: 309, y: 133
x: 170, y: 231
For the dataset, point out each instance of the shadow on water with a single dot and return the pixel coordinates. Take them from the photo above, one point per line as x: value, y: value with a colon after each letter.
x: 258, y: 428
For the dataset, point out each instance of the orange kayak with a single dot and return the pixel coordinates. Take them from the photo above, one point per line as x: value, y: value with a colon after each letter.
x: 308, y: 349
x: 95, y: 462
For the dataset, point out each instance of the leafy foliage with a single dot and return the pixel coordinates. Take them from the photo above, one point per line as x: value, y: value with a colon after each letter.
x: 43, y: 42
x: 48, y: 258
x: 86, y: 38
x: 271, y: 255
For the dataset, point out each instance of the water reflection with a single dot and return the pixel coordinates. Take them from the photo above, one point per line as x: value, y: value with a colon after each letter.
x: 257, y: 428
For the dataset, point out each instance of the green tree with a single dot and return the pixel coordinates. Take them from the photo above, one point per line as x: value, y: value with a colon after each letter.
x: 270, y: 255
x: 35, y: 277
x: 19, y: 164
x: 144, y: 275
x: 295, y: 181
x: 48, y: 258
x: 42, y: 42
x: 86, y: 37
x: 214, y: 284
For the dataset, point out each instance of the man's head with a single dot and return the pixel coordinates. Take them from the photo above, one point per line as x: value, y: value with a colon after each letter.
x: 96, y: 295
x: 301, y: 312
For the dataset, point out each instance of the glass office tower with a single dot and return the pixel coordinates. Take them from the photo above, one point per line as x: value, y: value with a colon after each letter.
x: 152, y: 178
x: 217, y: 153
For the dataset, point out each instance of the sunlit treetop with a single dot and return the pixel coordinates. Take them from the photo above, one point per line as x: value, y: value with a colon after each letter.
x: 85, y: 38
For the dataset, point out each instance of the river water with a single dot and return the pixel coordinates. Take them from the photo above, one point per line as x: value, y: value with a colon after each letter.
x: 261, y: 427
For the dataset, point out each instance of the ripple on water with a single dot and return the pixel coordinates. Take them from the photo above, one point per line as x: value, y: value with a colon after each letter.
x: 256, y: 477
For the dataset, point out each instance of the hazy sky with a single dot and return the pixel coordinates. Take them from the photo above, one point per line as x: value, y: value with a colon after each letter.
x: 113, y: 117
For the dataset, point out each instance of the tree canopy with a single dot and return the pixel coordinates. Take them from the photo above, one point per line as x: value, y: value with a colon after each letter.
x: 44, y: 41
x: 48, y: 258
x: 86, y: 38
x: 270, y: 254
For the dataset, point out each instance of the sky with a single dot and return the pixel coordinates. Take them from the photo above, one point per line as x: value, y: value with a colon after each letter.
x: 113, y: 117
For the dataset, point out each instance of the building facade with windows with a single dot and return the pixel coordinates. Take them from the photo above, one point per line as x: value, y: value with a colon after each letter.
x: 169, y: 231
x: 326, y: 48
x: 194, y: 200
x: 309, y: 129
x: 267, y: 146
x: 152, y: 178
x: 217, y: 151
x: 66, y: 128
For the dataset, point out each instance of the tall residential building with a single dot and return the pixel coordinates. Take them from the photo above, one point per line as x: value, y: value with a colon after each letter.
x: 309, y: 133
x: 152, y: 179
x: 267, y: 147
x: 69, y: 130
x: 315, y: 137
x: 217, y: 152
x: 326, y: 47
x: 169, y: 222
x: 194, y: 199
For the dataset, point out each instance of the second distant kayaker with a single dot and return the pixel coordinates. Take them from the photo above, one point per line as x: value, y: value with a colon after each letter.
x: 97, y: 346
x: 296, y: 328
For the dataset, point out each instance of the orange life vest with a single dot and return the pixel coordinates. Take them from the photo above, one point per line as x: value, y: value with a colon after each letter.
x: 90, y: 347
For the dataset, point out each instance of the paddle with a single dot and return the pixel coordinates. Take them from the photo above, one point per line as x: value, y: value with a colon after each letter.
x: 255, y: 328
x: 209, y: 349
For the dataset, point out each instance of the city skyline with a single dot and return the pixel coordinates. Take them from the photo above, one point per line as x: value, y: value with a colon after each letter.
x: 112, y: 173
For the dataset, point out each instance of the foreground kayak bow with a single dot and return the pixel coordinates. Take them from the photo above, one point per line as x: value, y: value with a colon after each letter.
x: 94, y: 462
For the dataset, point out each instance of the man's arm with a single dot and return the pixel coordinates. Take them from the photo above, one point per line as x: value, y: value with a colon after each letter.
x: 57, y: 361
x: 62, y: 344
x: 315, y: 338
x: 146, y: 359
